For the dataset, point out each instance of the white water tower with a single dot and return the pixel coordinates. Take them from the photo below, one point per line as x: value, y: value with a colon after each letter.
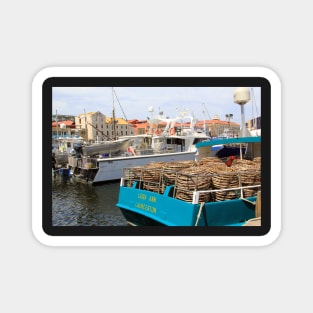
x: 241, y: 97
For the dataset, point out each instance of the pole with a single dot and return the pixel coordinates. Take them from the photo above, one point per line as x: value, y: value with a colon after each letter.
x: 56, y: 118
x: 229, y: 117
x: 243, y: 123
x: 114, y: 128
x: 86, y: 130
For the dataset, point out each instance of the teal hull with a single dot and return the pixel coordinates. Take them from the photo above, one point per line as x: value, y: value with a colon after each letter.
x: 143, y: 207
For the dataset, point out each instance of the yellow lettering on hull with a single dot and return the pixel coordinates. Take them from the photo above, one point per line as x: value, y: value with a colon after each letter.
x: 145, y: 207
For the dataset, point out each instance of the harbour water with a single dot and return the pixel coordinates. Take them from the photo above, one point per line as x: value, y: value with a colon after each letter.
x: 80, y: 204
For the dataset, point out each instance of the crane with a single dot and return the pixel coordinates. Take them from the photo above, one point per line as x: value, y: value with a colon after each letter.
x: 206, y: 110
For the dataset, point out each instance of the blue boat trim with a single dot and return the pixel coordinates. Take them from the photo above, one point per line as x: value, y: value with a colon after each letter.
x: 226, y: 141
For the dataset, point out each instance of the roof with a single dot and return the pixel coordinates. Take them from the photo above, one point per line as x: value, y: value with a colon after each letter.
x: 221, y: 122
x: 117, y: 119
x: 89, y: 113
x: 67, y: 123
x: 141, y: 125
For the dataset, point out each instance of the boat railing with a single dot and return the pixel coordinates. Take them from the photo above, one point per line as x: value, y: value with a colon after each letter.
x: 195, y: 187
x: 213, y: 187
x: 196, y: 194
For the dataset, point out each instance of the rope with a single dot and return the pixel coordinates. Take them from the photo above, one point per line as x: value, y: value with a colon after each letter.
x: 199, y: 213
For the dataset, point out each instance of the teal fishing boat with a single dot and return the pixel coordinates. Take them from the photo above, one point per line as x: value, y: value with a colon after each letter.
x: 208, y: 191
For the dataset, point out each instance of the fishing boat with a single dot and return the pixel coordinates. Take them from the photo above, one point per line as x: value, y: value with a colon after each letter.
x: 62, y: 147
x: 105, y: 147
x: 208, y: 191
x: 176, y: 141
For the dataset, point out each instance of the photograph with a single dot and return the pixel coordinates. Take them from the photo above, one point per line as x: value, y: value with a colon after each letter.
x: 156, y: 156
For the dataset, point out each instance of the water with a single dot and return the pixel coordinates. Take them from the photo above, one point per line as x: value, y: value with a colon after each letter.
x: 79, y: 204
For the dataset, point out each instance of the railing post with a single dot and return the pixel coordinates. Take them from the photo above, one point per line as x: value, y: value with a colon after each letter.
x: 195, y: 197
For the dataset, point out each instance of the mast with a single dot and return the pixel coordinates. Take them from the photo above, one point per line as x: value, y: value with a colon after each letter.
x: 254, y: 117
x: 114, y: 122
x: 56, y: 118
x: 86, y: 129
x: 120, y: 105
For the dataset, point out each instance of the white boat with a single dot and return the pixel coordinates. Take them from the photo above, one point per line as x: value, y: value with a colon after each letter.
x: 175, y: 142
x: 105, y: 147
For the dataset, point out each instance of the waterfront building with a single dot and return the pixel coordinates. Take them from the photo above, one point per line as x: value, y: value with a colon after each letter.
x: 219, y: 128
x: 95, y: 126
x: 63, y: 128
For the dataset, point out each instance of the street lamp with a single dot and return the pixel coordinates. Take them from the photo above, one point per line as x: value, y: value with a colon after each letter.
x: 228, y: 118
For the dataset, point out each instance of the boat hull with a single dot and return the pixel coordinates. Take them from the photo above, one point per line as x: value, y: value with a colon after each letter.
x: 143, y: 207
x: 112, y: 169
x: 61, y: 158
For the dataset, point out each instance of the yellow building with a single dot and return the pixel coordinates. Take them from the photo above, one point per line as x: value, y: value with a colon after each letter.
x: 99, y: 127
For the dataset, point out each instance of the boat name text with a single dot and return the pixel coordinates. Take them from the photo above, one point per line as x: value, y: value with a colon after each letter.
x: 142, y: 196
x: 144, y: 206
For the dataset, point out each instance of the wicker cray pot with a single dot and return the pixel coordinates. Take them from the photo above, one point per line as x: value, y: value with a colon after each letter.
x: 225, y: 178
x: 170, y: 170
x: 246, y: 164
x: 210, y: 161
x: 132, y: 174
x: 257, y: 159
x: 151, y: 174
x: 250, y: 178
x: 250, y: 174
x: 190, y: 180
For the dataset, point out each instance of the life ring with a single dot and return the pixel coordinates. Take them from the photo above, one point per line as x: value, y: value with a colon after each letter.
x: 158, y: 132
x: 172, y: 131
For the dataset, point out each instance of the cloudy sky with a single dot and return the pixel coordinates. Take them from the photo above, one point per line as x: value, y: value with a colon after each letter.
x: 135, y: 102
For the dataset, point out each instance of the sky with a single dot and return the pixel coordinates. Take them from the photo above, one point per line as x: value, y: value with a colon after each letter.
x: 138, y: 102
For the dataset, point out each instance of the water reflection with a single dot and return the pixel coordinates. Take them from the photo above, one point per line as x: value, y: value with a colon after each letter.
x: 79, y: 204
